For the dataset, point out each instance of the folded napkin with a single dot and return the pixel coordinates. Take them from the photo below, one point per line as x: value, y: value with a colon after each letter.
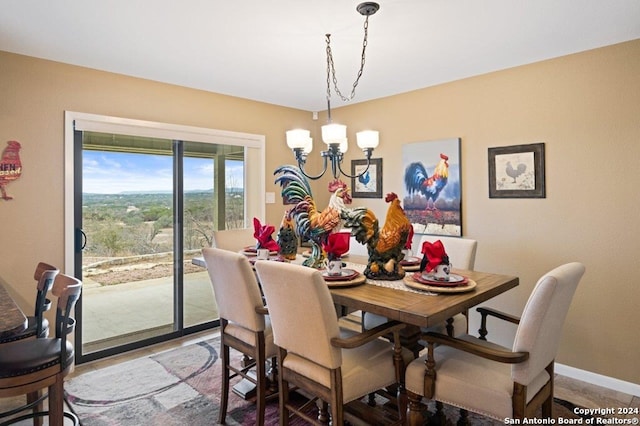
x: 409, y: 242
x: 434, y: 255
x: 336, y: 245
x: 263, y: 236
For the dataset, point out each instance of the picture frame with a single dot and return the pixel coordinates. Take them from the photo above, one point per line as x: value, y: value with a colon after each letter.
x: 368, y: 185
x: 517, y: 171
x: 431, y: 176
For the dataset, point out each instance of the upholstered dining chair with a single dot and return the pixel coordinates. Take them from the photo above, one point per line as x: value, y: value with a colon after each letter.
x: 462, y: 255
x: 27, y: 366
x: 242, y: 327
x: 38, y: 325
x: 314, y: 354
x: 233, y: 239
x: 492, y: 380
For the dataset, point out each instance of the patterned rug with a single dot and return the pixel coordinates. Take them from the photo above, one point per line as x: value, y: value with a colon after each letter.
x: 182, y: 387
x: 177, y: 387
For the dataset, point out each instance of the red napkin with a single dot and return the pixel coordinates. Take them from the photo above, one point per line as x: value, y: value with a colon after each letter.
x: 263, y: 236
x: 409, y: 242
x: 434, y: 255
x: 336, y: 245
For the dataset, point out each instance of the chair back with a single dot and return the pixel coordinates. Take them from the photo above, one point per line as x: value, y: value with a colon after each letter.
x: 302, y: 312
x: 541, y: 322
x: 235, y: 287
x: 461, y: 251
x: 233, y: 239
x: 45, y: 274
x: 67, y: 289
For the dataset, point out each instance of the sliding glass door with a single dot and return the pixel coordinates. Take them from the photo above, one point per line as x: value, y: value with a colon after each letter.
x: 144, y: 208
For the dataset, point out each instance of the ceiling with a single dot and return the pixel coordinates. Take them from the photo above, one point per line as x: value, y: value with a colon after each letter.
x: 274, y: 51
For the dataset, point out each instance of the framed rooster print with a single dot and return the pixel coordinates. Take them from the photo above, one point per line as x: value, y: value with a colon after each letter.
x: 432, y: 186
x: 369, y: 182
x: 517, y: 171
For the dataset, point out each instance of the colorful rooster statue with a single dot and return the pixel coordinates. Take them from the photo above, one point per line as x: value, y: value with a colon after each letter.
x: 311, y: 224
x: 10, y: 167
x: 384, y: 245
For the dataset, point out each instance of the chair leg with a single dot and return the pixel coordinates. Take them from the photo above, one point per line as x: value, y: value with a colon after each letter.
x: 56, y: 402
x: 323, y: 412
x: 284, y: 401
x: 464, y: 418
x: 414, y: 410
x: 439, y: 414
x: 31, y: 398
x: 261, y: 374
x: 224, y: 395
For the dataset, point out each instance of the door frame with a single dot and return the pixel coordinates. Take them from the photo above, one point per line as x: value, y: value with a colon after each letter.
x: 254, y: 174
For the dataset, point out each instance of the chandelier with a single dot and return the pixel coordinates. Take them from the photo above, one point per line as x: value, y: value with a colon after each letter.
x: 333, y: 134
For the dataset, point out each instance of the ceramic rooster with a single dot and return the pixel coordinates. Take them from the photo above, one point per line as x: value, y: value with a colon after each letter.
x: 384, y: 244
x: 10, y: 167
x: 310, y: 223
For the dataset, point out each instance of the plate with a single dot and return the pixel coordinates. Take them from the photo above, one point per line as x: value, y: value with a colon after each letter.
x: 411, y: 283
x: 454, y: 280
x: 358, y: 280
x: 272, y: 258
x: 411, y: 267
x: 411, y: 260
x: 347, y: 274
x: 251, y: 251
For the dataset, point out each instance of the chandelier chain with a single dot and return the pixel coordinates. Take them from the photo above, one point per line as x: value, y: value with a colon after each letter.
x: 331, y: 70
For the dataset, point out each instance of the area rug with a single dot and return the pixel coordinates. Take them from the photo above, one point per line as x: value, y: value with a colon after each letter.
x: 177, y: 387
x: 182, y: 387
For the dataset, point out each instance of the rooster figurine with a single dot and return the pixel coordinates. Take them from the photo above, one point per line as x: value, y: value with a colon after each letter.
x: 310, y: 223
x: 10, y: 167
x: 383, y: 245
x: 418, y: 180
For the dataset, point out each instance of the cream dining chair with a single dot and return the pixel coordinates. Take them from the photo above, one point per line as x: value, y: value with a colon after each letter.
x: 242, y: 328
x: 315, y: 355
x: 462, y: 255
x: 495, y: 381
x: 233, y: 239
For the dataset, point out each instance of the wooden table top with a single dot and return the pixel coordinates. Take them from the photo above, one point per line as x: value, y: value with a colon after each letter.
x: 12, y: 320
x: 423, y: 310
x: 410, y: 307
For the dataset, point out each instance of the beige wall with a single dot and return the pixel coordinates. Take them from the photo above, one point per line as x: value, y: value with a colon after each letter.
x: 584, y: 107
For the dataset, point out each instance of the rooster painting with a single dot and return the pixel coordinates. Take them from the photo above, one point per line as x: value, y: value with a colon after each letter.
x: 310, y: 223
x: 383, y: 245
x: 418, y: 180
x: 10, y: 167
x: 514, y: 173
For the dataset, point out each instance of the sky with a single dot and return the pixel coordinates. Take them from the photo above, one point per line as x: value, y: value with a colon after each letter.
x: 116, y: 172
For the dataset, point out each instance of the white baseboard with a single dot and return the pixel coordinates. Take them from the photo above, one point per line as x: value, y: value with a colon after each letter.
x: 598, y: 379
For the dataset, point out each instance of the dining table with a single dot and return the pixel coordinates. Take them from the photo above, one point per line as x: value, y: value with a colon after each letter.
x: 417, y: 307
x: 12, y: 319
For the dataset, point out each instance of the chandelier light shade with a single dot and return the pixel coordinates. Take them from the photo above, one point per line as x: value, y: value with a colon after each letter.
x: 333, y: 134
x: 367, y: 139
x: 298, y: 138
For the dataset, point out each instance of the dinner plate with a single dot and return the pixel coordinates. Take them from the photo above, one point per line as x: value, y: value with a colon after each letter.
x: 411, y: 260
x: 346, y: 274
x: 454, y: 280
x: 411, y: 283
x: 357, y: 280
x: 251, y: 251
x: 253, y: 260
